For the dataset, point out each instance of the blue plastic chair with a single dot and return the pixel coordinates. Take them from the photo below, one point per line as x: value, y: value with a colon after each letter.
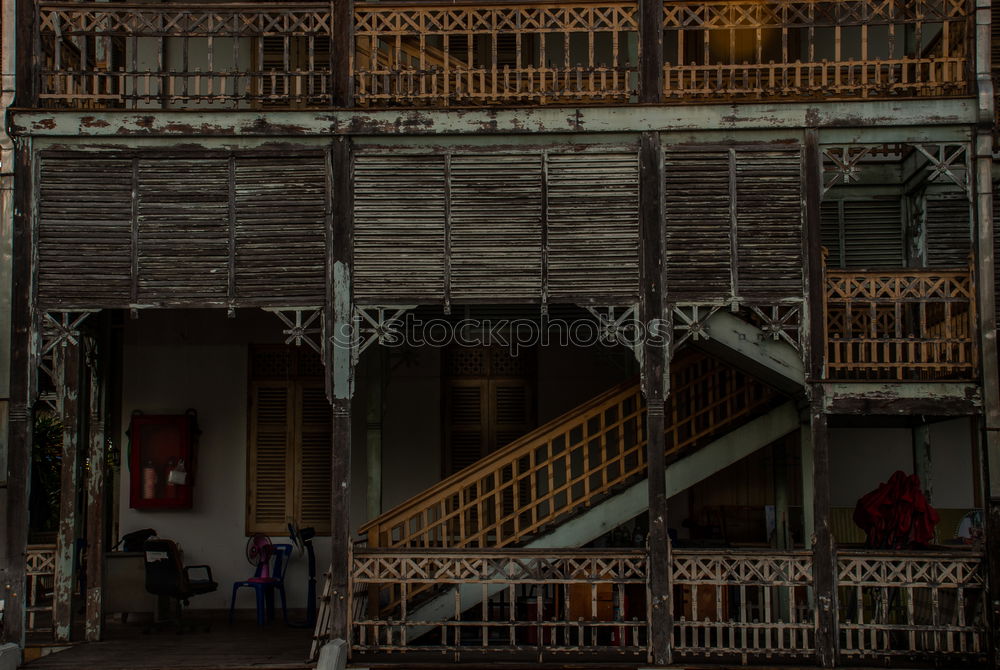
x: 264, y: 587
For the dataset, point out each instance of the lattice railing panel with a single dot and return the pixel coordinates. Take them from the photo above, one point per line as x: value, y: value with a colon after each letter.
x: 479, y: 54
x: 912, y: 604
x: 573, y: 461
x: 510, y: 600
x: 40, y: 568
x: 744, y: 603
x: 900, y: 325
x: 137, y: 56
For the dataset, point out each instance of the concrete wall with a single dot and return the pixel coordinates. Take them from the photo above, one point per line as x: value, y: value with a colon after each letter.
x: 862, y: 458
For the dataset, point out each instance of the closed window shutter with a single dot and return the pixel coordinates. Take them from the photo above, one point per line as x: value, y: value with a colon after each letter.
x: 271, y: 440
x: 510, y: 400
x: 949, y: 233
x: 698, y: 248
x: 496, y: 226
x: 315, y: 440
x: 869, y: 233
x: 84, y: 215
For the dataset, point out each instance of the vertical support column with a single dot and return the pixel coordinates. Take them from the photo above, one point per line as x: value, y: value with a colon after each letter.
x: 990, y: 420
x: 342, y: 52
x: 824, y: 556
x: 338, y: 356
x: 23, y: 375
x: 650, y: 50
x: 808, y: 495
x: 373, y: 435
x: 782, y: 528
x: 67, y: 368
x: 97, y: 370
x: 921, y: 437
x: 655, y: 377
x: 27, y: 63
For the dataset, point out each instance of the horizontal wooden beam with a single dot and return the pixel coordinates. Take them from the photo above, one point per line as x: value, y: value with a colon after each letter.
x: 877, y: 115
x: 929, y: 398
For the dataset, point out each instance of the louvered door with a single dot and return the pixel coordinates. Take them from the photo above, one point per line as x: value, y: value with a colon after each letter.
x: 314, y: 456
x: 270, y: 457
x: 949, y: 231
x: 489, y: 402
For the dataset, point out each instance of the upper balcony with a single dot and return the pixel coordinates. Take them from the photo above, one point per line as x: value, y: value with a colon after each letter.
x: 488, y: 53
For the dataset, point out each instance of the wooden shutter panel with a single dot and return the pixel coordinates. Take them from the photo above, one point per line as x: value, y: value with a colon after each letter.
x: 84, y: 231
x: 270, y: 458
x: 399, y: 228
x: 496, y: 226
x: 511, y: 404
x: 315, y: 437
x: 593, y: 229
x: 468, y: 423
x: 830, y: 232
x: 280, y: 229
x: 698, y: 251
x: 183, y: 229
x: 949, y: 233
x: 873, y: 233
x: 769, y: 225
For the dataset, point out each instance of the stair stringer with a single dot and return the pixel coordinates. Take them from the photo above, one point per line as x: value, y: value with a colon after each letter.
x: 595, y: 521
x: 746, y: 346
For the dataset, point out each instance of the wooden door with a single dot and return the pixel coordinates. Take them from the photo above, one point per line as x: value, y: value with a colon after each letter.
x: 489, y: 403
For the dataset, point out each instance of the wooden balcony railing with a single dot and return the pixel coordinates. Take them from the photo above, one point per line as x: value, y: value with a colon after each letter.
x: 572, y: 461
x: 900, y: 325
x: 466, y: 53
x: 40, y: 569
x: 915, y: 604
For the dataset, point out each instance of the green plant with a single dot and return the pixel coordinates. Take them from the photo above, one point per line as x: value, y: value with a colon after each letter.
x: 46, y: 472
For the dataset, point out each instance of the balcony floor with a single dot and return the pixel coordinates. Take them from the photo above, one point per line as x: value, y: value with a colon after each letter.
x: 244, y: 645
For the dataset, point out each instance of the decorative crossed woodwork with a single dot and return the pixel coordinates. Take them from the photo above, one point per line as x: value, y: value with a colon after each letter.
x: 743, y: 603
x: 571, y: 462
x: 465, y: 53
x: 40, y: 568
x: 912, y: 604
x: 900, y: 325
x: 562, y: 600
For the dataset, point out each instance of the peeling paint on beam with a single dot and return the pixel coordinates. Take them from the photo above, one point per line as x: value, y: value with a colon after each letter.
x: 926, y: 398
x: 874, y: 114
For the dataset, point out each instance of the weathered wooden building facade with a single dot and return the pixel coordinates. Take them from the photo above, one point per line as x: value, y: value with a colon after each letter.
x: 779, y: 213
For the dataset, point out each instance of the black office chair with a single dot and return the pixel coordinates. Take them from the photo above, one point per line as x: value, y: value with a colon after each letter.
x: 166, y: 576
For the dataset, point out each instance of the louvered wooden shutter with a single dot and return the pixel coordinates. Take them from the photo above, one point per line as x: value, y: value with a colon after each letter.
x: 864, y: 234
x: 511, y: 406
x: 399, y: 228
x: 183, y: 221
x: 593, y: 232
x: 725, y: 201
x: 271, y: 458
x: 315, y: 450
x: 496, y: 227
x: 281, y: 204
x: 949, y: 232
x: 698, y: 250
x: 769, y: 225
x: 467, y: 429
x: 84, y: 231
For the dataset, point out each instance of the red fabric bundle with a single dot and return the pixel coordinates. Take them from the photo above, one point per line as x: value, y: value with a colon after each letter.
x: 897, y: 515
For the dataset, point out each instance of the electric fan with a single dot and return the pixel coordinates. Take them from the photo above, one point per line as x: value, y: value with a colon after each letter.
x: 259, y: 550
x: 302, y: 539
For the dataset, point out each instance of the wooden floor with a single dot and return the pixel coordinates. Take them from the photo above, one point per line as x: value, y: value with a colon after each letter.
x: 244, y: 645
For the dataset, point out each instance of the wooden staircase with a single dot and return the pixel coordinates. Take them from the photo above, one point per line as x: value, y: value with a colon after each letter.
x: 570, y: 463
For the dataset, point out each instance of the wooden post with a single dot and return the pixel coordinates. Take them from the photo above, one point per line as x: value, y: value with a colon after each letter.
x: 655, y: 374
x: 824, y: 558
x: 342, y: 52
x: 782, y: 529
x: 24, y: 370
x: 338, y: 358
x: 67, y: 369
x: 921, y: 440
x: 806, y: 468
x: 650, y: 50
x: 373, y: 435
x: 990, y: 420
x: 28, y: 61
x: 97, y: 375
